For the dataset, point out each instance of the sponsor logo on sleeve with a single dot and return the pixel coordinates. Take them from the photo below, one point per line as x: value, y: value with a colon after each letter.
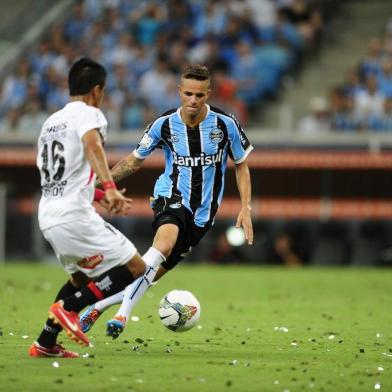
x: 146, y: 141
x: 174, y: 138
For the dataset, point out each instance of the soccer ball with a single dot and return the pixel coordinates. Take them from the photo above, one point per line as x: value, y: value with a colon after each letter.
x: 179, y: 310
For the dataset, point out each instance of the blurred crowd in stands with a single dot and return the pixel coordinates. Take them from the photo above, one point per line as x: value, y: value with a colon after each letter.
x: 248, y: 44
x: 364, y: 101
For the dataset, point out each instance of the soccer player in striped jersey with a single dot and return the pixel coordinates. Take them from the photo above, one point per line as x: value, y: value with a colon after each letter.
x: 196, y: 140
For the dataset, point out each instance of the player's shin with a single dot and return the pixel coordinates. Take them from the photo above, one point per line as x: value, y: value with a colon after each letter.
x: 106, y: 303
x: 153, y: 258
x: 109, y: 283
x: 134, y: 292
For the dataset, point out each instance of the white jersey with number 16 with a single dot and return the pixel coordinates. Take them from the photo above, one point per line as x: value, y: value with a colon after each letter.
x: 67, y: 180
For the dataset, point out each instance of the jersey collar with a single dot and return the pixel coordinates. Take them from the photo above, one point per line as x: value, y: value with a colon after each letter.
x: 207, y: 113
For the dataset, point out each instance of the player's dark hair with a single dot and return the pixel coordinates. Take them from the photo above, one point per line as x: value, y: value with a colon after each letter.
x: 196, y: 71
x: 84, y: 75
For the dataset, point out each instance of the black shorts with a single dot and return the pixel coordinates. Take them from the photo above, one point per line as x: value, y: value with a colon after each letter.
x: 170, y: 210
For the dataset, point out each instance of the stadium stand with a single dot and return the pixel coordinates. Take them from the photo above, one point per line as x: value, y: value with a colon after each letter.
x: 363, y: 102
x: 251, y: 45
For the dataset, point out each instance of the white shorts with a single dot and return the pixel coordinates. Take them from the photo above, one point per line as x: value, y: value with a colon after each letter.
x: 91, y: 245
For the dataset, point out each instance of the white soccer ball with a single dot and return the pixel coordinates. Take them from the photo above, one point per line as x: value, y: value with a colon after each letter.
x: 179, y: 310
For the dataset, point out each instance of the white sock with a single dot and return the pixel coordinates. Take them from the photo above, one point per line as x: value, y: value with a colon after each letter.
x: 109, y: 301
x: 153, y: 258
x: 132, y: 293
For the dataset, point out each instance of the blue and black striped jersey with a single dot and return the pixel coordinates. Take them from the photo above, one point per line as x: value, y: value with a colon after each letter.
x: 195, y: 158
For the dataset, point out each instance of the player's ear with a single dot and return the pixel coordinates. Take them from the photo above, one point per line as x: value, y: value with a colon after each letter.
x: 98, y: 92
x: 95, y: 91
x: 98, y: 89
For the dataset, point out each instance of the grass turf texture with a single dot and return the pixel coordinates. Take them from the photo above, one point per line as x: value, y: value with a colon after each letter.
x: 338, y: 335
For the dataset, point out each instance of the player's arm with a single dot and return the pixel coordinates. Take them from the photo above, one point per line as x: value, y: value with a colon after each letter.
x: 126, y: 167
x: 96, y: 156
x: 240, y: 148
x: 132, y: 163
x: 245, y: 188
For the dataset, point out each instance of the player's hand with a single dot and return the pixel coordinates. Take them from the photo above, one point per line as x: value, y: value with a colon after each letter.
x: 117, y: 203
x: 105, y: 204
x: 245, y: 220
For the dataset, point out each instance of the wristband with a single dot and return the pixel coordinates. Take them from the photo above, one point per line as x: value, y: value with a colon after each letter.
x: 108, y: 185
x: 99, y: 194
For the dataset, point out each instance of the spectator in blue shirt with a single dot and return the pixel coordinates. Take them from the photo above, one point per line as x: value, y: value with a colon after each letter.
x: 344, y: 119
x: 370, y: 66
x: 384, y: 78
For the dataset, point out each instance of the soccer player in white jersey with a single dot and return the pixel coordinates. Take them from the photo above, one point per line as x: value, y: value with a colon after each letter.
x: 100, y: 260
x: 197, y: 140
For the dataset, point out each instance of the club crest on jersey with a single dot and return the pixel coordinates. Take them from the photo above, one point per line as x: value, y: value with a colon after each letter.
x: 216, y: 135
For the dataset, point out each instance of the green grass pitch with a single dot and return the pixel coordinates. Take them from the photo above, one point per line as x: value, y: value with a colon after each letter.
x: 261, y: 329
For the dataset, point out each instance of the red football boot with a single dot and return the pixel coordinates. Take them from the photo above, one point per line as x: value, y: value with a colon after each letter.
x: 70, y: 323
x: 57, y: 351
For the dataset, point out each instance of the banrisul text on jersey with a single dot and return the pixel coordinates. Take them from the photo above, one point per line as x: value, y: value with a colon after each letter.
x: 202, y: 160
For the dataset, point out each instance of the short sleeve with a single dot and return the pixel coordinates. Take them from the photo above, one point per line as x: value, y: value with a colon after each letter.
x: 239, y: 147
x: 150, y: 140
x: 92, y: 118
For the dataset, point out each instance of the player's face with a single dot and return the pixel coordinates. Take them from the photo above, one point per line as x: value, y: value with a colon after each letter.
x: 193, y: 95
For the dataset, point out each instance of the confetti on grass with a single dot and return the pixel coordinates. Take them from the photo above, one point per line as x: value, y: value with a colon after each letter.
x: 281, y: 329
